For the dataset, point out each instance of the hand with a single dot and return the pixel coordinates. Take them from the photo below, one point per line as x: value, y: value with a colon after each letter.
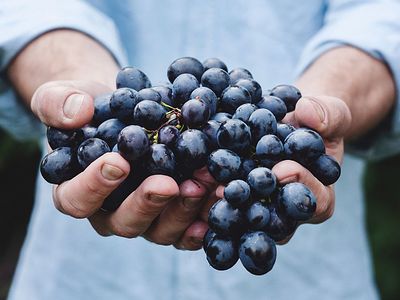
x: 159, y: 209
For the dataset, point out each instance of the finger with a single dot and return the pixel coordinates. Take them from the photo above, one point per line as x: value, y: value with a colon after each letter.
x: 192, y: 239
x: 66, y: 104
x: 139, y: 209
x: 178, y: 215
x: 204, y: 177
x: 81, y: 196
x: 213, y: 197
x: 289, y: 171
x: 329, y: 116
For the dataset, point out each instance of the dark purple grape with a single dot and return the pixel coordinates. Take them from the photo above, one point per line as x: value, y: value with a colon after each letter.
x: 297, y: 201
x: 59, y: 165
x: 326, y: 169
x: 257, y: 216
x: 207, y: 238
x: 262, y: 122
x: 253, y: 87
x: 102, y: 110
x: 283, y: 130
x: 304, y: 146
x: 208, y: 96
x: 280, y: 226
x: 237, y: 193
x: 262, y: 182
x: 182, y: 87
x: 232, y: 97
x: 288, y: 93
x: 166, y: 94
x: 234, y: 135
x: 184, y: 65
x: 168, y: 135
x: 160, y: 160
x: 87, y: 132
x: 149, y: 94
x: 195, y: 113
x: 269, y: 150
x: 192, y: 149
x: 63, y: 138
x: 211, y: 130
x: 274, y: 105
x: 215, y: 79
x: 224, y: 165
x: 239, y: 73
x: 244, y: 111
x: 133, y: 142
x: 257, y: 252
x: 226, y: 220
x: 246, y: 167
x: 132, y: 78
x: 90, y: 150
x: 214, y: 63
x: 221, y: 117
x: 149, y: 114
x: 108, y: 131
x: 122, y: 103
x: 222, y: 253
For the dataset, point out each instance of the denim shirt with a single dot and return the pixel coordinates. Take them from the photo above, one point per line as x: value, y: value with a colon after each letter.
x: 64, y: 258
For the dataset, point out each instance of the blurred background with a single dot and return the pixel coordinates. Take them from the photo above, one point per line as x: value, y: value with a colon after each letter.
x: 18, y: 170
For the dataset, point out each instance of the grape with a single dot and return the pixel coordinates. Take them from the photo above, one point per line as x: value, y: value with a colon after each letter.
x: 283, y: 130
x: 108, y: 131
x: 132, y: 78
x: 211, y: 129
x: 326, y: 169
x: 257, y: 252
x: 226, y: 220
x: 280, y: 226
x: 257, y: 216
x: 224, y: 165
x: 122, y: 103
x: 221, y: 117
x: 237, y: 193
x: 244, y: 111
x: 90, y: 150
x: 262, y: 122
x: 234, y: 135
x: 182, y: 87
x: 87, y: 132
x: 133, y: 142
x: 195, y: 113
x: 165, y: 93
x: 253, y: 87
x: 214, y: 63
x: 262, y: 182
x: 183, y: 65
x: 102, y: 110
x: 160, y: 160
x: 63, y: 138
x: 288, y: 93
x: 232, y: 97
x: 207, y: 238
x: 274, y: 105
x: 247, y: 165
x: 222, y: 253
x: 149, y: 94
x: 239, y: 73
x: 168, y: 135
x: 208, y: 96
x: 269, y: 150
x: 149, y: 114
x: 215, y: 79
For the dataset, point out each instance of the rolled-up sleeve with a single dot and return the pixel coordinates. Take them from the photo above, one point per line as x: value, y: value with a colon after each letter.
x: 374, y: 27
x: 21, y: 21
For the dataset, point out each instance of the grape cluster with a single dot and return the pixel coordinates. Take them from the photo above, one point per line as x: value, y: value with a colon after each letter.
x: 205, y: 116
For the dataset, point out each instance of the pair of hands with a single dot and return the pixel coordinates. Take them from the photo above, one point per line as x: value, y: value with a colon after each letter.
x: 159, y: 209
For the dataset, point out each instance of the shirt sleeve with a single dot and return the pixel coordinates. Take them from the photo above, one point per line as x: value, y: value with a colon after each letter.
x: 374, y: 27
x: 24, y: 20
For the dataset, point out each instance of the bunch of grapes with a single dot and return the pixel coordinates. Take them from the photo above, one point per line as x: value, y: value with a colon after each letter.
x: 205, y: 117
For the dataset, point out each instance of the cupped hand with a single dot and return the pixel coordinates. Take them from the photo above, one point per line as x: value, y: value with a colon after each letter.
x: 159, y: 209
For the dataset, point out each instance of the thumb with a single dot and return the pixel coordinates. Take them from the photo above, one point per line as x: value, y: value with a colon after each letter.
x: 327, y: 115
x: 66, y: 104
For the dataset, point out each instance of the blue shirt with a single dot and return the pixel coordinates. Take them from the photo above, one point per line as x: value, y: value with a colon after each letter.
x: 64, y: 258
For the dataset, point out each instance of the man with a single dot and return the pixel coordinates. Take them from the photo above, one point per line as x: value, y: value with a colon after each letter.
x: 59, y: 55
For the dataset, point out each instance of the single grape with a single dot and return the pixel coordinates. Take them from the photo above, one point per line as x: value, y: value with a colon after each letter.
x: 262, y: 182
x: 166, y: 94
x: 214, y: 63
x: 239, y: 73
x: 237, y: 193
x: 87, y: 132
x: 63, y: 138
x: 288, y: 93
x: 224, y: 165
x: 283, y: 130
x: 168, y: 135
x: 257, y: 252
x: 222, y: 253
x: 211, y: 130
x: 132, y: 78
x: 234, y: 135
x: 226, y: 220
x: 149, y: 94
x: 232, y: 97
x: 108, y: 131
x: 280, y: 226
x: 102, y: 110
x: 215, y: 79
x: 269, y: 150
x: 326, y: 169
x: 262, y: 122
x: 253, y: 87
x: 208, y: 96
x: 246, y: 167
x: 160, y: 160
x: 122, y: 103
x: 133, y: 142
x: 244, y: 111
x: 221, y: 117
x: 91, y: 149
x: 274, y: 105
x: 149, y: 114
x: 209, y: 235
x: 257, y: 216
x: 183, y: 65
x: 182, y: 87
x: 59, y: 165
x: 195, y: 113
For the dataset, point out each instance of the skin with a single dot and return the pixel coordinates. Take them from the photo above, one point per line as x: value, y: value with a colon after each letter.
x: 61, y: 95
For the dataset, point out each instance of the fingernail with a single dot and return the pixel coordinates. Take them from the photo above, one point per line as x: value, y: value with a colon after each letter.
x: 110, y: 172
x: 73, y: 105
x: 191, y: 202
x: 289, y: 179
x: 159, y: 198
x: 318, y: 109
